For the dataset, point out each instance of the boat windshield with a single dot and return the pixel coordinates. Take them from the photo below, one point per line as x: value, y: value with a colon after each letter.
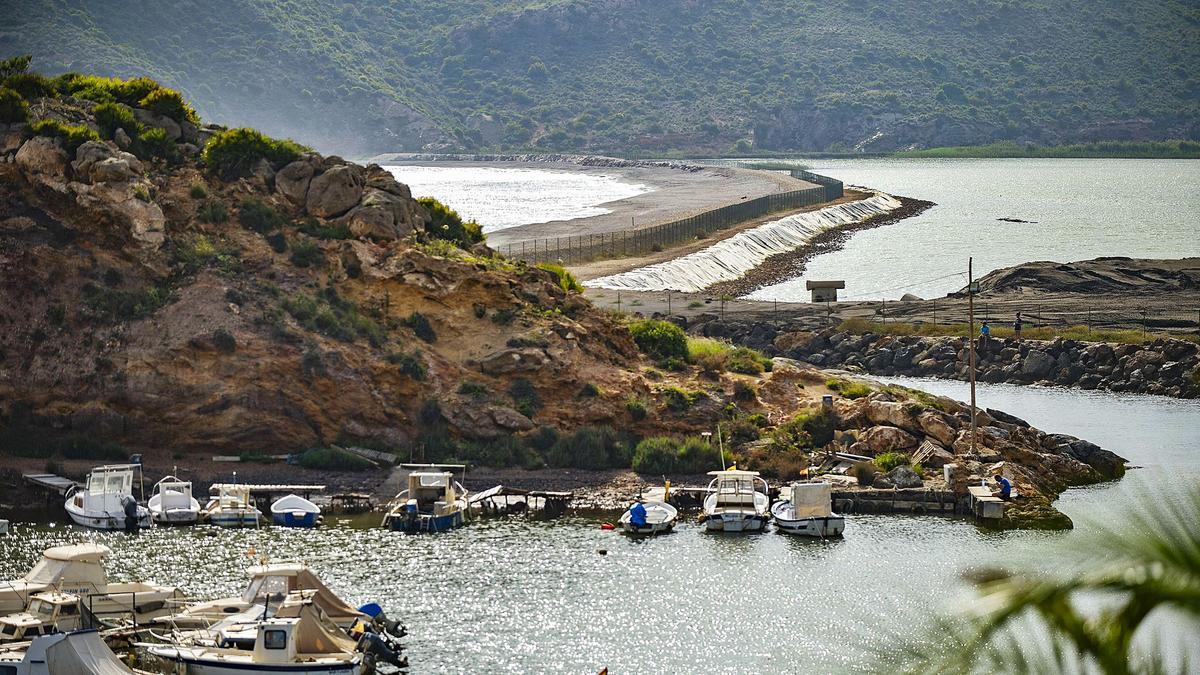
x: 269, y: 586
x: 435, y: 480
x: 737, y: 485
x: 42, y: 609
x: 47, y: 571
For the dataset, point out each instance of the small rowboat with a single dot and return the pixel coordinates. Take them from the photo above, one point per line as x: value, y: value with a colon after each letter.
x: 295, y: 511
x: 660, y: 519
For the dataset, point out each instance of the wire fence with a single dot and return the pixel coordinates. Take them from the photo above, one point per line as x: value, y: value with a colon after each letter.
x: 587, y: 247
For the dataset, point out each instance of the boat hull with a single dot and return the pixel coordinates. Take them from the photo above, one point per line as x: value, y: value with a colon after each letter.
x: 295, y: 519
x: 234, y: 519
x: 648, y: 528
x: 825, y: 526
x: 176, y: 517
x: 735, y: 522
x: 209, y: 667
x: 107, y: 521
x: 424, y: 522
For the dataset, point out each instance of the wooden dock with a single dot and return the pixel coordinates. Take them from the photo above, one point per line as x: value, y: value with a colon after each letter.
x: 504, y: 499
x: 983, y: 504
x: 894, y: 500
x: 51, y: 482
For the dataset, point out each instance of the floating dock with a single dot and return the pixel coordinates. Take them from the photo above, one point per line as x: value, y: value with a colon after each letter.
x: 503, y: 499
x: 51, y: 482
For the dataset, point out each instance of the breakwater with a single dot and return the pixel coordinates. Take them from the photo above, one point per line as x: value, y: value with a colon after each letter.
x: 1168, y: 367
x: 731, y: 258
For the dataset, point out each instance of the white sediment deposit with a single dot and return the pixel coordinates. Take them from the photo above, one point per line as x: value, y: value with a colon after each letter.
x: 731, y: 258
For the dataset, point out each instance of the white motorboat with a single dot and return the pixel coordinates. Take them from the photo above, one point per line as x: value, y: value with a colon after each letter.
x: 808, y: 511
x: 295, y: 511
x: 172, y: 503
x: 79, y: 569
x: 433, y: 502
x: 659, y: 518
x: 48, y: 612
x: 304, y: 643
x: 232, y: 507
x: 107, y: 501
x: 734, y: 503
x: 269, y: 584
x: 80, y: 651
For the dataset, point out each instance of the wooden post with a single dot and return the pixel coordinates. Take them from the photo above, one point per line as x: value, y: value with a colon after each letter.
x: 971, y: 343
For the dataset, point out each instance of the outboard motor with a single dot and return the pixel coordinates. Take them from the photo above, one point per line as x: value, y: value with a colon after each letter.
x: 377, y: 649
x: 380, y: 622
x: 130, y: 506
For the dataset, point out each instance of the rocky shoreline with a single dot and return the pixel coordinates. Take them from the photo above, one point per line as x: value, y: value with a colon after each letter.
x: 540, y: 158
x: 1167, y: 367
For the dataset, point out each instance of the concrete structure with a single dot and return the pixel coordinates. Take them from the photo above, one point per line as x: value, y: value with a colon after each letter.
x: 824, y: 291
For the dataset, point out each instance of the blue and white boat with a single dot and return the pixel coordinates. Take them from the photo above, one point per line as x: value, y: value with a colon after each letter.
x: 232, y: 507
x: 433, y: 502
x: 295, y: 511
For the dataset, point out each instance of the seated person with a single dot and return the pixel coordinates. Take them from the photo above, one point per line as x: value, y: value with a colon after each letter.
x: 1005, y: 487
x: 637, y: 515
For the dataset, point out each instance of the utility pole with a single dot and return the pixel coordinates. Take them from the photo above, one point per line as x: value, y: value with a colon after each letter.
x: 971, y: 342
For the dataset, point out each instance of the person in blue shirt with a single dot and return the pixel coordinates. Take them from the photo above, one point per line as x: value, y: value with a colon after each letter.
x: 1005, y: 487
x: 637, y: 515
x: 985, y: 334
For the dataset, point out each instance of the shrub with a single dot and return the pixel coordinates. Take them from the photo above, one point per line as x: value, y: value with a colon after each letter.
x: 257, y: 215
x: 636, y: 408
x: 113, y: 116
x: 333, y: 459
x: 473, y: 389
x: 233, y: 153
x: 525, y: 397
x: 748, y: 361
x: 503, y: 317
x: 598, y: 447
x: 589, y: 390
x: 445, y: 223
x: 307, y: 254
x: 502, y: 451
x: 660, y: 340
x: 333, y: 316
x: 744, y: 391
x: 125, y: 305
x: 224, y: 341
x: 154, y: 142
x: 430, y: 413
x: 678, y: 400
x: 886, y: 461
x: 563, y: 278
x: 421, y: 326
x: 656, y: 455
x: 410, y: 363
x: 313, y: 228
x: 198, y: 191
x: 14, y: 65
x: 30, y: 85
x: 847, y: 388
x: 544, y: 438
x: 819, y: 423
x: 212, y: 211
x: 72, y: 136
x: 697, y: 455
x: 865, y: 472
x: 711, y: 355
x: 13, y: 108
x: 170, y: 103
x: 742, y: 430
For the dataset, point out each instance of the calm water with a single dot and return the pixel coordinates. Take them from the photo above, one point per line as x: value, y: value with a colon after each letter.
x: 1083, y: 208
x: 500, y: 197
x: 519, y: 596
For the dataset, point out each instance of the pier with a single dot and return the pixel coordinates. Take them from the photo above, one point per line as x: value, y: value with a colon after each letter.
x: 502, y: 499
x: 51, y: 483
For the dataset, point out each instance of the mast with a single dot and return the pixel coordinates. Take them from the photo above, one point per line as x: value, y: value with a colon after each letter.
x: 971, y: 343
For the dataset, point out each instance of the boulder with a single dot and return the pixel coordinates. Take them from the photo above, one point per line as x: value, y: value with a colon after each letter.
x: 888, y: 439
x: 1037, y: 364
x: 88, y: 155
x: 122, y: 139
x: 904, y: 477
x: 938, y: 426
x: 42, y: 155
x: 893, y: 414
x: 513, y: 360
x: 382, y: 216
x: 112, y: 170
x: 380, y: 178
x: 292, y: 181
x: 159, y: 121
x: 334, y: 192
x: 799, y: 343
x: 507, y: 418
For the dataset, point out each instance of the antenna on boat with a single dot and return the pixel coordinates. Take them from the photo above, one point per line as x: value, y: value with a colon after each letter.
x: 721, y: 446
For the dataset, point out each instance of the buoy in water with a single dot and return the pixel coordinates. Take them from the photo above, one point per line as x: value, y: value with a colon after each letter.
x: 602, y: 551
x: 608, y: 526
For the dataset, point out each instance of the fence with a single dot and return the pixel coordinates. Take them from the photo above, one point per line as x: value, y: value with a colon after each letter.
x: 587, y: 247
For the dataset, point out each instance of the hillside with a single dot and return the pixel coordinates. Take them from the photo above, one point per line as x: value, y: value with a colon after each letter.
x: 629, y: 76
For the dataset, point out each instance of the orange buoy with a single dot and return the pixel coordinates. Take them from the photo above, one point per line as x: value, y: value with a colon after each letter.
x: 608, y: 526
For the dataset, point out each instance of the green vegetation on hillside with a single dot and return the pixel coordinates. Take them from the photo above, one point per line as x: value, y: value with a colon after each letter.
x: 845, y: 75
x: 1118, y: 149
